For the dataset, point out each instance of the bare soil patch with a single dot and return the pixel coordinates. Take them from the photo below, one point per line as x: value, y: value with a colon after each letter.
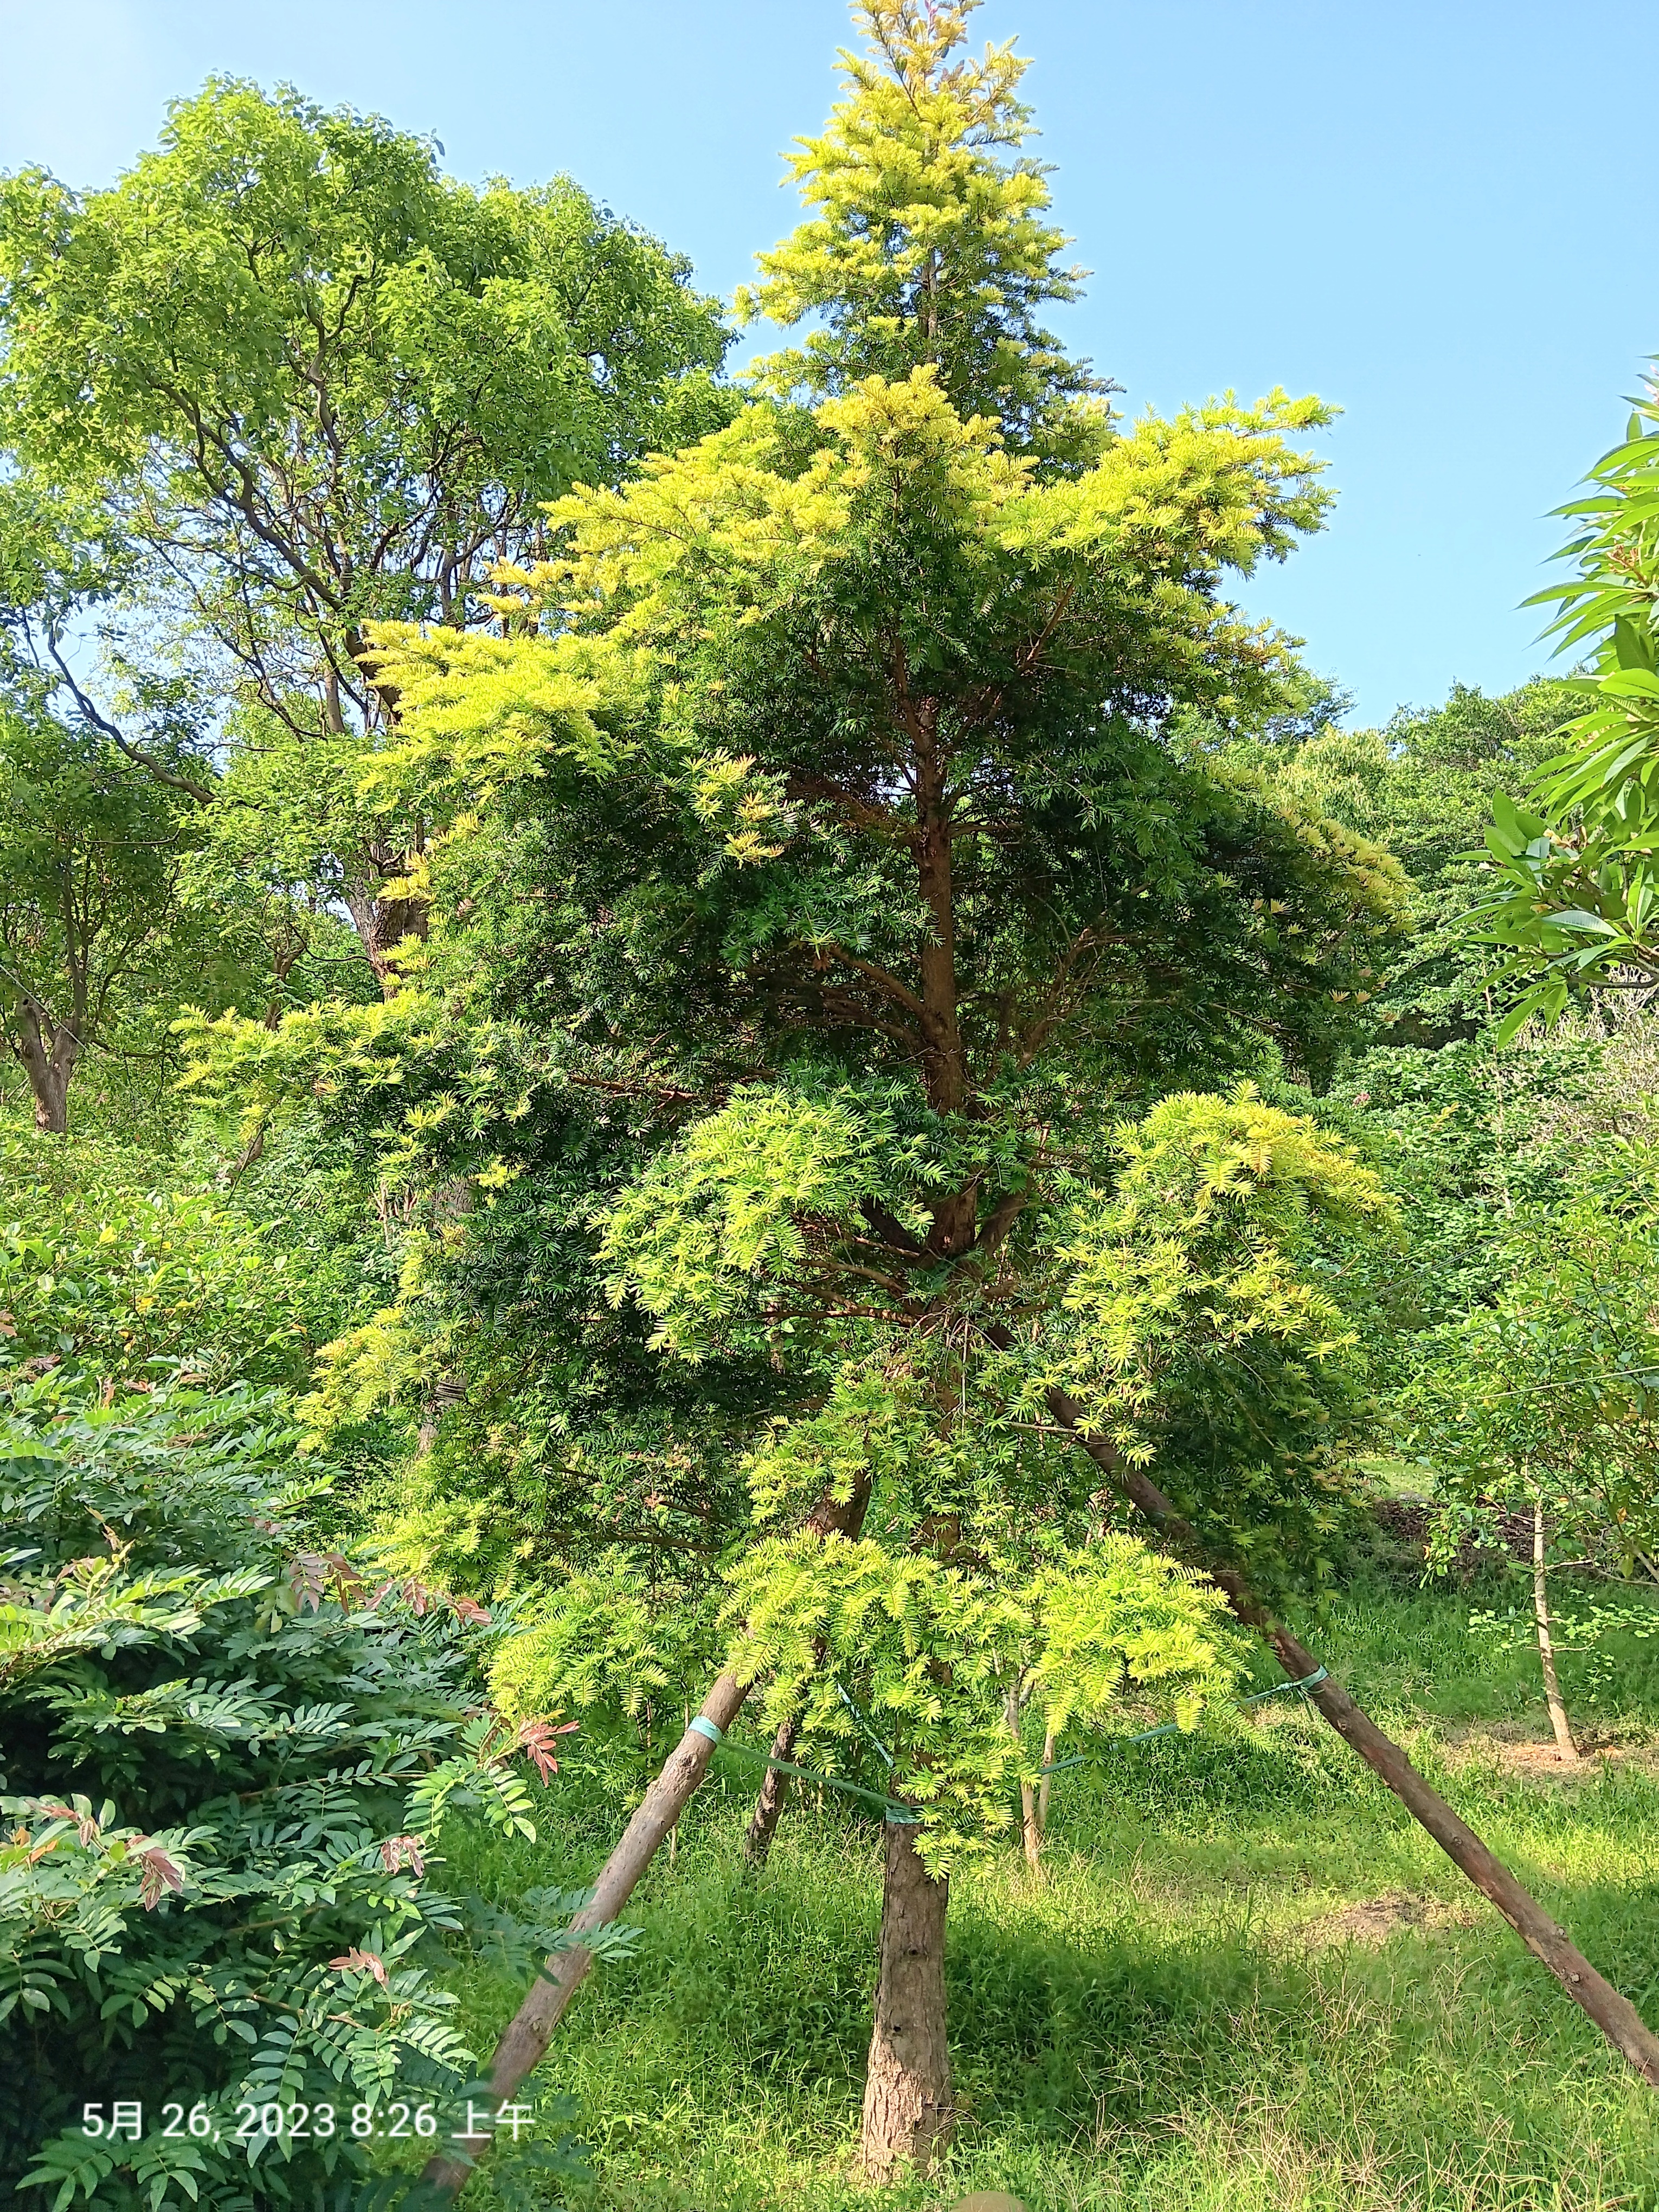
x: 1511, y: 1748
x: 1375, y: 1919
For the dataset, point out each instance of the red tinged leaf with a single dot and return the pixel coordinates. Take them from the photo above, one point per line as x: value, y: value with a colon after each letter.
x: 398, y: 1851
x: 362, y: 1962
x: 414, y: 1593
x: 310, y: 1573
x: 536, y: 1740
x: 160, y: 1876
x: 85, y: 1826
x: 421, y: 1598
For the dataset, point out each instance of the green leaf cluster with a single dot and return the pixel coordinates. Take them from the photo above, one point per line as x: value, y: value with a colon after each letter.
x: 927, y: 243
x: 1574, y: 901
x: 227, y: 1762
x: 940, y: 1652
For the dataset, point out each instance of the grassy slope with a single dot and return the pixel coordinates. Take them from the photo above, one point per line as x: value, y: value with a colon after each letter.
x: 1172, y: 2023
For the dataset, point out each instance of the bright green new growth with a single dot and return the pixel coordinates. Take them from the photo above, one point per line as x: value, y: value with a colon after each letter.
x: 928, y: 247
x: 742, y: 1198
x: 1577, y: 905
x: 1201, y: 1244
x: 1193, y: 1274
x: 939, y: 1652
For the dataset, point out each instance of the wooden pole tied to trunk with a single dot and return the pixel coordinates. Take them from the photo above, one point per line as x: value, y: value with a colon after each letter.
x: 528, y: 2033
x: 1611, y: 2012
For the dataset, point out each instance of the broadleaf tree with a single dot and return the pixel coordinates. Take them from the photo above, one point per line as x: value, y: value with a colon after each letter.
x: 95, y: 940
x: 1541, y: 1400
x: 310, y: 383
x: 1575, y: 907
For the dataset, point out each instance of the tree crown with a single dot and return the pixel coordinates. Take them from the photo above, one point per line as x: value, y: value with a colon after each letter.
x: 929, y: 245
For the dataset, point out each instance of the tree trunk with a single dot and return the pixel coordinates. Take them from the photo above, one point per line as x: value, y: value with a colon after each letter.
x: 944, y: 1064
x: 529, y: 2032
x: 1030, y: 1825
x: 1540, y: 1609
x: 448, y: 1390
x: 50, y: 1102
x: 906, y: 2091
x: 1046, y: 1785
x: 382, y: 924
x: 775, y: 1789
x: 452, y: 1201
x: 774, y: 1794
x: 1615, y: 2015
x: 48, y: 1051
x: 1031, y: 1831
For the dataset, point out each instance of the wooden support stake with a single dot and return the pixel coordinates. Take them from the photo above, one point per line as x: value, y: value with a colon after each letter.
x: 531, y: 2029
x: 1613, y: 2014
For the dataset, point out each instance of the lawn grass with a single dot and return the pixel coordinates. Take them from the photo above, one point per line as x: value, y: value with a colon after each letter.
x: 1176, y: 2019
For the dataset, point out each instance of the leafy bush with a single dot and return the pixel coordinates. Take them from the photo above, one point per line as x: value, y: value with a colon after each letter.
x: 227, y: 1763
x: 105, y: 1269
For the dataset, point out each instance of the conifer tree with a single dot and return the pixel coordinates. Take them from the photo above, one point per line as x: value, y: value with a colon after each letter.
x: 862, y: 823
x: 887, y: 669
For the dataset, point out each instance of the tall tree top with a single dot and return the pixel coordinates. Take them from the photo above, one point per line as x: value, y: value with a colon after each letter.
x: 929, y: 242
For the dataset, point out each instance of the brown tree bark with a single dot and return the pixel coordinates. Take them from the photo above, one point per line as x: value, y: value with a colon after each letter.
x: 772, y: 1796
x: 1612, y: 2013
x: 383, y: 923
x: 529, y: 2032
x: 945, y: 1060
x: 1031, y: 1835
x: 907, y: 2090
x: 448, y: 1390
x: 1046, y: 1786
x: 1031, y: 1821
x: 48, y: 1051
x: 1540, y: 1613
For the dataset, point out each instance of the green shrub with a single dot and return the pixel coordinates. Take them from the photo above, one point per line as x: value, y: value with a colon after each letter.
x: 226, y: 1762
x: 105, y: 1269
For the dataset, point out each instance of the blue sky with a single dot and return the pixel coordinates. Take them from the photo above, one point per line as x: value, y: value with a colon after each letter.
x: 1430, y: 213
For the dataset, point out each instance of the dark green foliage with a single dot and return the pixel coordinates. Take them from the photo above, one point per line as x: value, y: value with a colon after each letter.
x: 226, y: 1763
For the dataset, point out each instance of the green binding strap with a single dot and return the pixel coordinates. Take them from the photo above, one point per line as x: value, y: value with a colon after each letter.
x: 1174, y: 1727
x: 1318, y: 1675
x: 866, y: 1727
x: 906, y: 1816
x: 898, y: 1813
